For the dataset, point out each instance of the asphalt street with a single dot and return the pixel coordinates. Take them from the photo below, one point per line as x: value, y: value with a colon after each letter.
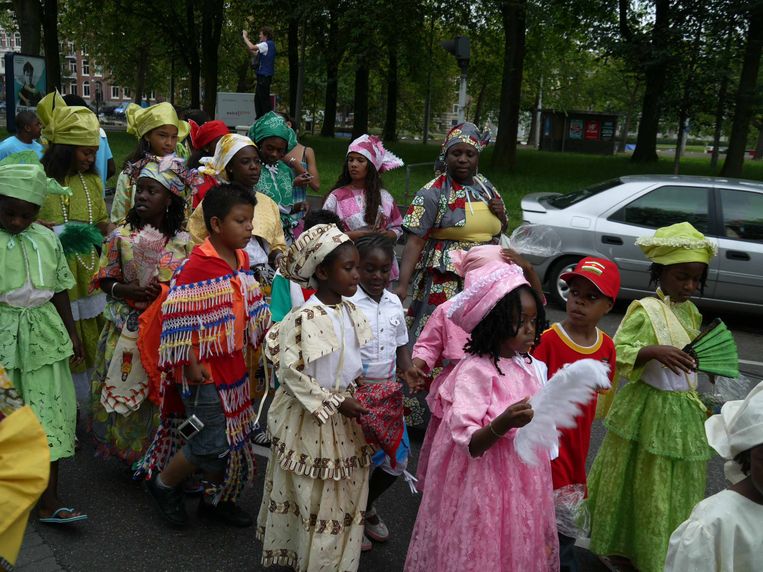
x: 124, y: 531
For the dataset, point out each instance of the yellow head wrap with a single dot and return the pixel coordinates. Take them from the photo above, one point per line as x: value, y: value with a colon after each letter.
x: 70, y: 125
x: 140, y: 121
x: 677, y: 244
x: 29, y: 183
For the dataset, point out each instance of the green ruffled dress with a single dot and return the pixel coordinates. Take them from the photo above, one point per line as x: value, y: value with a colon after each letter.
x: 34, y: 345
x: 652, y: 466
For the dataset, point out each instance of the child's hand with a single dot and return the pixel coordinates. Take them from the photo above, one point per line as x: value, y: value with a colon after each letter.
x: 415, y: 378
x: 518, y: 414
x: 671, y: 357
x: 79, y: 350
x: 511, y: 255
x: 196, y: 373
x: 134, y: 291
x: 352, y: 408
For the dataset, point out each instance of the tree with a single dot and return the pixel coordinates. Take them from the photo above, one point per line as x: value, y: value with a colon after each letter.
x: 513, y: 13
x: 746, y: 92
x: 32, y: 17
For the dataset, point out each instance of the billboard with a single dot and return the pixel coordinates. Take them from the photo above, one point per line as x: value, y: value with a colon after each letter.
x: 25, y: 84
x: 235, y: 108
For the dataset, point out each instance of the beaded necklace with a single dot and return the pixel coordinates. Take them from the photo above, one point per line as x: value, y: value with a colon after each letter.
x: 65, y: 212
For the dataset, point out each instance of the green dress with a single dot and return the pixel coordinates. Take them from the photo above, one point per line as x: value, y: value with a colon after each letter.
x: 34, y: 345
x: 125, y: 436
x: 652, y: 466
x: 85, y: 205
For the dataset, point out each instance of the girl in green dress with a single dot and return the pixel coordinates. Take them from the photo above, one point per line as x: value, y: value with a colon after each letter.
x: 80, y: 220
x: 37, y: 333
x: 652, y: 467
x: 124, y: 396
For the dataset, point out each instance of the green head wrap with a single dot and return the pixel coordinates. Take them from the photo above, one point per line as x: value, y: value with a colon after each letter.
x: 28, y: 182
x: 69, y: 125
x: 272, y: 125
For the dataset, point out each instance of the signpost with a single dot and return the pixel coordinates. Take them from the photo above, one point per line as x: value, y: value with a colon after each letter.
x: 459, y: 47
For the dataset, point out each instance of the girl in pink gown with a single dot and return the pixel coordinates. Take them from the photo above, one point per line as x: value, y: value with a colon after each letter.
x: 483, y: 508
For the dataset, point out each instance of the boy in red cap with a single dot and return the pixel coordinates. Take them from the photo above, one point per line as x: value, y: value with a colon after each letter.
x: 594, y: 284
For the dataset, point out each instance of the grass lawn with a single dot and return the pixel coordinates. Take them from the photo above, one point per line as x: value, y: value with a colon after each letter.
x: 536, y: 171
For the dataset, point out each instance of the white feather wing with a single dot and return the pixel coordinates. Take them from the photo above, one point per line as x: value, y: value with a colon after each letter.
x: 556, y: 405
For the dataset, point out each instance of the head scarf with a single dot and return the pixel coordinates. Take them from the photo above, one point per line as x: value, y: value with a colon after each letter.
x: 272, y: 125
x: 68, y: 125
x: 737, y: 428
x: 490, y: 284
x: 462, y: 133
x: 372, y: 149
x: 203, y: 135
x: 140, y: 121
x: 467, y: 261
x: 28, y: 182
x: 225, y: 150
x: 308, y: 251
x: 677, y: 244
x: 166, y: 172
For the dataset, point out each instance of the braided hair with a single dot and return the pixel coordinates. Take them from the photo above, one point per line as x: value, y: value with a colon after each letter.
x: 502, y: 323
x: 656, y: 269
x: 372, y: 185
x: 370, y: 242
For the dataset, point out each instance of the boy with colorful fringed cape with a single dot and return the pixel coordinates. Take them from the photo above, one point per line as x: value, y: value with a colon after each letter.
x: 213, y: 314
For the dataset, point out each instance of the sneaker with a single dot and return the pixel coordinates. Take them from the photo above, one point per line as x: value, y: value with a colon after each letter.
x: 375, y: 527
x: 226, y: 512
x: 260, y: 437
x: 365, y: 545
x: 170, y: 501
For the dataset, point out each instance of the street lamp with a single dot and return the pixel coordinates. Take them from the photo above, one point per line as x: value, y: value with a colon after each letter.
x: 459, y: 47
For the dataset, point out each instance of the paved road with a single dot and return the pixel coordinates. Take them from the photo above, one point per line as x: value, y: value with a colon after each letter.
x: 125, y: 533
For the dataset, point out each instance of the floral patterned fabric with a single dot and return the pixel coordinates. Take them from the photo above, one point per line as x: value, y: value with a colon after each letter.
x: 125, y: 437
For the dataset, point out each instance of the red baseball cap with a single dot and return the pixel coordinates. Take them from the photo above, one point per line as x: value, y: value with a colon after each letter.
x: 601, y: 272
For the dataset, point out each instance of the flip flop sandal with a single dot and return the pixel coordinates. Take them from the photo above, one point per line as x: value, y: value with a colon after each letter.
x: 55, y: 519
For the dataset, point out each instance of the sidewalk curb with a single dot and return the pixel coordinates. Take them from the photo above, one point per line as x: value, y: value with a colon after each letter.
x: 36, y: 555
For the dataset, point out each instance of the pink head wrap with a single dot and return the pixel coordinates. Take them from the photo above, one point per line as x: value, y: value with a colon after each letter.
x: 466, y: 261
x: 489, y: 285
x: 372, y: 149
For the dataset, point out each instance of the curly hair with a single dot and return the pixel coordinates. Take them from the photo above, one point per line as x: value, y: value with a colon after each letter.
x: 502, y: 323
x: 656, y: 269
x: 59, y: 159
x: 174, y: 218
x: 372, y: 185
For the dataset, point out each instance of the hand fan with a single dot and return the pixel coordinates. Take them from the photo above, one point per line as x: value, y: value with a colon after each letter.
x: 147, y: 253
x: 715, y: 351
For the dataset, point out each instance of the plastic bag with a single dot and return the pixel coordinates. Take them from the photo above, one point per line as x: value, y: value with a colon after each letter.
x: 534, y: 240
x: 572, y: 516
x: 726, y: 389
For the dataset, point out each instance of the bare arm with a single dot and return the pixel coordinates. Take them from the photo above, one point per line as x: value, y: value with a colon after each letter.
x: 62, y: 305
x: 250, y: 46
x: 517, y: 415
x: 312, y: 168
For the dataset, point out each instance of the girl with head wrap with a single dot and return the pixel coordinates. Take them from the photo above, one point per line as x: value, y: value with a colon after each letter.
x: 38, y: 336
x: 125, y: 388
x: 204, y: 138
x: 358, y: 197
x: 457, y: 210
x: 275, y: 139
x: 159, y: 133
x: 724, y: 531
x: 81, y: 219
x: 320, y: 459
x: 652, y: 466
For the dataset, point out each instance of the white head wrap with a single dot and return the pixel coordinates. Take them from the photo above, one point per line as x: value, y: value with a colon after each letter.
x: 225, y: 150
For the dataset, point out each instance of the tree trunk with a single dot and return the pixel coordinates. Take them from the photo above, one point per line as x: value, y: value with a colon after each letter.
x: 759, y: 145
x: 50, y: 39
x: 534, y: 120
x: 480, y: 104
x: 626, y: 127
x: 360, y: 100
x: 655, y: 75
x: 293, y: 52
x: 745, y: 99
x: 211, y: 31
x: 333, y: 58
x: 680, y: 140
x: 29, y: 19
x: 298, y: 103
x: 140, y: 74
x: 192, y: 54
x: 390, y: 121
x: 514, y: 13
x: 244, y: 81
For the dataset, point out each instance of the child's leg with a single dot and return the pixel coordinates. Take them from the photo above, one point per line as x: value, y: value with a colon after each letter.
x: 49, y: 501
x: 177, y: 470
x: 380, y: 481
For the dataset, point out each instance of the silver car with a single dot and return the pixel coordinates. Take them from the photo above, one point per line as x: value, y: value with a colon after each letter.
x: 605, y: 220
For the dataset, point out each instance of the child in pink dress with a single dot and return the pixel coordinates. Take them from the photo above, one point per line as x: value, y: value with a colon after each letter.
x: 483, y: 508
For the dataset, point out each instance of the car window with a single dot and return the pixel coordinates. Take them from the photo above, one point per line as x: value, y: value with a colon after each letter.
x: 667, y: 205
x: 742, y: 214
x: 569, y: 199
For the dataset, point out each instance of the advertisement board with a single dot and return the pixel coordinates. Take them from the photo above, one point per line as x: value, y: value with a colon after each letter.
x: 235, y: 108
x: 25, y: 84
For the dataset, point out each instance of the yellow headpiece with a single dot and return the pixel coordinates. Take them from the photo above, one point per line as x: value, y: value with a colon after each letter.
x: 70, y: 125
x: 140, y: 121
x: 677, y: 244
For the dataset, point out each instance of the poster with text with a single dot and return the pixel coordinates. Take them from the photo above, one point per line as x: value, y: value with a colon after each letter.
x: 576, y: 129
x: 607, y: 130
x: 592, y: 130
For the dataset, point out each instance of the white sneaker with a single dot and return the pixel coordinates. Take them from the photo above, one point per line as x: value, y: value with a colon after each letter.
x: 378, y: 531
x: 366, y: 544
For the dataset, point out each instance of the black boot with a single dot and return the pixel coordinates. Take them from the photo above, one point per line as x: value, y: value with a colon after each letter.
x: 226, y: 512
x: 170, y: 501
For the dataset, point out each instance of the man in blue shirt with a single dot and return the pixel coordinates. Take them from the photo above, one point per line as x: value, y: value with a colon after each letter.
x: 28, y: 129
x: 265, y: 58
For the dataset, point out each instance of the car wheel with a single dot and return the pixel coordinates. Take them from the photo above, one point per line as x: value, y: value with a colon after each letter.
x: 557, y: 287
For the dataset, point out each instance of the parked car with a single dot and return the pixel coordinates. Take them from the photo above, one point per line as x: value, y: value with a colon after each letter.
x: 605, y: 220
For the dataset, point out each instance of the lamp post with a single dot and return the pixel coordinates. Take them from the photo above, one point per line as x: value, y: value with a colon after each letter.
x: 459, y: 47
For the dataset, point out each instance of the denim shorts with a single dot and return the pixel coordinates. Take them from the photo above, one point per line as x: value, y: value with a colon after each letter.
x: 207, y: 449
